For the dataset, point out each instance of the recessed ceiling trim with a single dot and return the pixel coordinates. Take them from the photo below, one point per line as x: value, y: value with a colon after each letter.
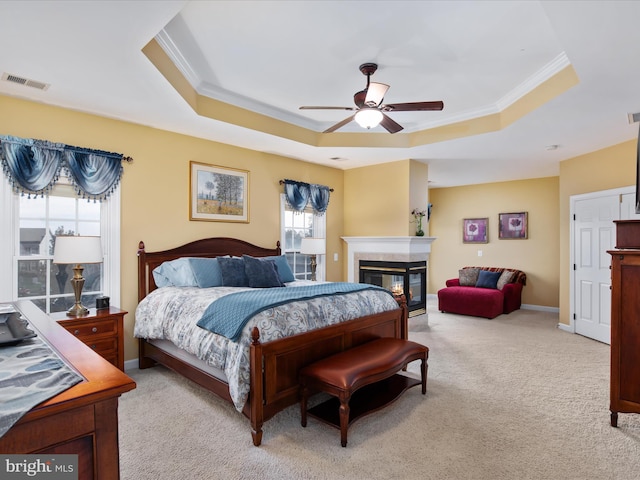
x: 218, y: 93
x: 206, y: 89
x: 173, y: 52
x: 551, y: 69
x: 479, y: 121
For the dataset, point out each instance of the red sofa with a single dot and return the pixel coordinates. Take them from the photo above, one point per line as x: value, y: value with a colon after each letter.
x: 490, y: 300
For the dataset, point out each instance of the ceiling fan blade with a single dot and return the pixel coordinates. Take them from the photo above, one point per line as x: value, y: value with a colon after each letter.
x: 339, y: 125
x: 390, y: 125
x: 375, y: 94
x: 412, y: 107
x: 326, y: 108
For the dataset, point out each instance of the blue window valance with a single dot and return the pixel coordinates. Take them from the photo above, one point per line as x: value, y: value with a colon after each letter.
x: 299, y: 194
x: 33, y: 167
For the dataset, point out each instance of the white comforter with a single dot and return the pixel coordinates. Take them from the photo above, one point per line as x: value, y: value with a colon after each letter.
x: 172, y: 313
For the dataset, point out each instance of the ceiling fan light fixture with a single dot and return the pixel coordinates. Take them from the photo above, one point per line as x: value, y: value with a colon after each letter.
x: 368, y: 117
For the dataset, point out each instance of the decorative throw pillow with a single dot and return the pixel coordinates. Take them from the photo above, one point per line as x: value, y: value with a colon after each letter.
x: 468, y: 277
x: 261, y: 273
x: 175, y: 273
x: 232, y: 269
x: 206, y: 271
x: 505, y: 278
x: 284, y: 270
x: 487, y: 279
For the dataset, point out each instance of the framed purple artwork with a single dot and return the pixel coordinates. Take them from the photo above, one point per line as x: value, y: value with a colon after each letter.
x: 512, y: 225
x: 474, y: 230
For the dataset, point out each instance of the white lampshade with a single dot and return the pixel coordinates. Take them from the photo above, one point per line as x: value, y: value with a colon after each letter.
x: 312, y: 246
x: 368, y: 117
x: 77, y: 250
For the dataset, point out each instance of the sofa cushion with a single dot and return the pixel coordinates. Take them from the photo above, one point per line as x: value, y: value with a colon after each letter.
x: 468, y: 277
x: 479, y: 302
x: 505, y: 278
x: 487, y: 279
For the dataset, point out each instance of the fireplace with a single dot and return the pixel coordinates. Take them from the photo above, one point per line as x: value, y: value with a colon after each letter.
x: 400, y: 252
x: 409, y: 278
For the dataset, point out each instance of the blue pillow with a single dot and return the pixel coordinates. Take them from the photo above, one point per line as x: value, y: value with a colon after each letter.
x: 261, y: 273
x: 284, y: 270
x: 488, y: 279
x: 232, y: 269
x: 176, y: 273
x: 206, y: 271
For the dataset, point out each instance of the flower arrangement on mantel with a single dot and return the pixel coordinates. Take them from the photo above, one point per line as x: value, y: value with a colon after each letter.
x: 418, y: 215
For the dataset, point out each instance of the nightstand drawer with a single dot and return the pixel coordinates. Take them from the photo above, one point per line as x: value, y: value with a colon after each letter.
x: 102, y: 345
x: 88, y: 329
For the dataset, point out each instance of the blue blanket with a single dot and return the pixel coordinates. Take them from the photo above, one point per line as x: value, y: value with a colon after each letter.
x: 228, y: 315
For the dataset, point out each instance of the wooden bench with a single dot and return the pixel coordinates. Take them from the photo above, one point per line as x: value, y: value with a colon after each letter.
x: 361, y: 380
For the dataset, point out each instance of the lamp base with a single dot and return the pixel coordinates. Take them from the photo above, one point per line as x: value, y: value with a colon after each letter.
x: 78, y: 310
x: 314, y: 265
x: 77, y: 282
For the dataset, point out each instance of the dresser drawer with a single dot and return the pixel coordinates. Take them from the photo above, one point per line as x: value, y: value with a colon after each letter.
x: 88, y: 329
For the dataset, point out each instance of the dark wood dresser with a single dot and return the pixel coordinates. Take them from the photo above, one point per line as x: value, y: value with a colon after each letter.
x: 82, y: 420
x: 625, y: 320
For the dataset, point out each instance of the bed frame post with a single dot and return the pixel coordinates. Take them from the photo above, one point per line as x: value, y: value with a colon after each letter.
x: 404, y: 325
x: 257, y: 389
x: 142, y: 271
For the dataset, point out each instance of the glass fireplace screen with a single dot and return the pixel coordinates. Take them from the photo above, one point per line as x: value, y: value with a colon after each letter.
x: 409, y: 278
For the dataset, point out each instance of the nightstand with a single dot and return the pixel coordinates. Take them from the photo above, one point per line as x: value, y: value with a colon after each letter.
x: 101, y: 330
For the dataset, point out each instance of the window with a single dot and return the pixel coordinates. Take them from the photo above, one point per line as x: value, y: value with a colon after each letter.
x: 26, y: 249
x: 294, y: 227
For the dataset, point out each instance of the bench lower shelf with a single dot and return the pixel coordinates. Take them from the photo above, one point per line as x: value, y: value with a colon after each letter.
x: 368, y: 399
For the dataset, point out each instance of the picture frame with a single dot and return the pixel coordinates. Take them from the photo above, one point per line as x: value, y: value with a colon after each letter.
x: 218, y: 194
x: 513, y: 226
x: 475, y: 230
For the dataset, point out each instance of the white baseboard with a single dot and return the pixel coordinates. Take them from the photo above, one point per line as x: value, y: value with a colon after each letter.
x: 131, y: 364
x: 540, y: 308
x: 566, y: 328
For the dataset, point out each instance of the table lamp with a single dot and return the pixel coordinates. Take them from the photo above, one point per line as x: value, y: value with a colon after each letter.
x: 313, y: 247
x: 75, y: 250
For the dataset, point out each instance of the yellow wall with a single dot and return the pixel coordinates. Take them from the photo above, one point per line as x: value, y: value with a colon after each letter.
x: 373, y: 200
x: 155, y: 187
x: 418, y: 194
x: 612, y: 167
x: 376, y: 199
x: 537, y: 256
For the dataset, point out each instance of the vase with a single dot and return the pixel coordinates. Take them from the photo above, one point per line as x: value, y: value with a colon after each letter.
x: 419, y: 233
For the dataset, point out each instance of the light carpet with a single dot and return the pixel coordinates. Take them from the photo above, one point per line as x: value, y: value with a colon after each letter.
x: 511, y: 398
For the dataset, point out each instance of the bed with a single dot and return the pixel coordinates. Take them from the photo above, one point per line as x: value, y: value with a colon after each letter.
x: 273, y: 365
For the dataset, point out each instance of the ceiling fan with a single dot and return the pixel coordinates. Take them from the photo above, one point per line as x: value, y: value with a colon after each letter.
x: 370, y: 111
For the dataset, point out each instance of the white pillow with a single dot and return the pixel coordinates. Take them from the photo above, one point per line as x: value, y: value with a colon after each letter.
x: 176, y: 273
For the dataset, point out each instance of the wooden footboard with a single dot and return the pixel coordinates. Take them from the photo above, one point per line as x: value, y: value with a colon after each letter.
x: 274, y: 365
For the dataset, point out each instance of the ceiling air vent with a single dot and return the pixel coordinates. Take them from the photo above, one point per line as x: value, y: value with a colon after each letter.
x: 7, y: 77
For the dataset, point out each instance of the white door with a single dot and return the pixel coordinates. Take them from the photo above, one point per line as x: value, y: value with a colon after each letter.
x: 594, y: 234
x: 628, y: 207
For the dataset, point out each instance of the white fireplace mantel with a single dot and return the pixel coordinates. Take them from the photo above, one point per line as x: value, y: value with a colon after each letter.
x: 385, y: 248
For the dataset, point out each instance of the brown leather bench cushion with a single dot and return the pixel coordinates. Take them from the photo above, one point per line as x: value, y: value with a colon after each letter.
x: 365, y: 363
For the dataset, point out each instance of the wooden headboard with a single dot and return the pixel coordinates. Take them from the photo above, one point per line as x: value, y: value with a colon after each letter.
x: 207, y: 247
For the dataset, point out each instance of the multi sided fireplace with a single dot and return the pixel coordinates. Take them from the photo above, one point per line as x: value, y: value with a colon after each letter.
x: 409, y: 278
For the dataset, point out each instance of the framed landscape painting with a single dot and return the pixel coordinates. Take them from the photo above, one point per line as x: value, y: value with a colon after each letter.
x: 218, y: 194
x: 474, y: 230
x: 512, y: 225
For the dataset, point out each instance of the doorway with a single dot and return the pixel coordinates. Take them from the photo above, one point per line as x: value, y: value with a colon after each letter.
x: 593, y: 233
